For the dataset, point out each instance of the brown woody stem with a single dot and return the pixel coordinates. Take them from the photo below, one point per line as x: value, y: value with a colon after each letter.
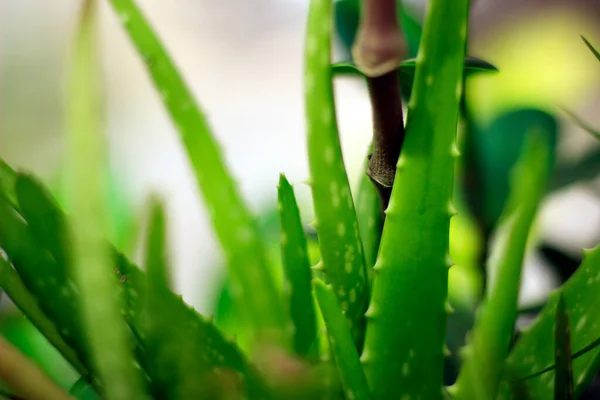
x: 378, y: 51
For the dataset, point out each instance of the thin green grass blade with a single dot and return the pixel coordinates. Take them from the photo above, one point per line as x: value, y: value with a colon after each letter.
x: 341, y: 250
x: 485, y: 354
x: 341, y: 342
x: 592, y: 48
x: 563, y: 382
x: 12, y: 284
x: 157, y: 266
x: 255, y: 289
x: 297, y: 269
x: 110, y: 349
x: 370, y: 220
x: 404, y: 348
x: 534, y: 353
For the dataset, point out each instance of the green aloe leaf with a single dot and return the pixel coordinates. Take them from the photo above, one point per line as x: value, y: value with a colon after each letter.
x: 563, y: 382
x: 370, y: 219
x: 341, y: 249
x: 341, y: 342
x: 43, y: 278
x: 534, y: 353
x: 485, y: 353
x: 156, y: 255
x: 99, y: 300
x: 215, y: 361
x: 404, y: 347
x: 592, y: 48
x: 196, y: 336
x: 12, y: 284
x: 296, y: 266
x: 236, y: 229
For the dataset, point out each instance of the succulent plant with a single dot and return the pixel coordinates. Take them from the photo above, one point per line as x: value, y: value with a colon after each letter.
x: 369, y: 320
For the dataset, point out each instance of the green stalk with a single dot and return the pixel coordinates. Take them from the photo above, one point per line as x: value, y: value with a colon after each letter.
x: 404, y: 348
x: 340, y: 339
x: 108, y: 340
x: 493, y: 331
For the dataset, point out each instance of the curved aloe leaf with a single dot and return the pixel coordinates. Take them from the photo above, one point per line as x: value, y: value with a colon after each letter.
x: 493, y: 331
x: 297, y: 269
x: 404, y: 348
x: 341, y: 250
x: 563, y: 382
x: 534, y: 352
x: 340, y: 339
x: 255, y: 289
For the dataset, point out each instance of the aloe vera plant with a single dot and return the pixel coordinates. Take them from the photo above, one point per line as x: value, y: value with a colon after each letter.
x: 369, y: 320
